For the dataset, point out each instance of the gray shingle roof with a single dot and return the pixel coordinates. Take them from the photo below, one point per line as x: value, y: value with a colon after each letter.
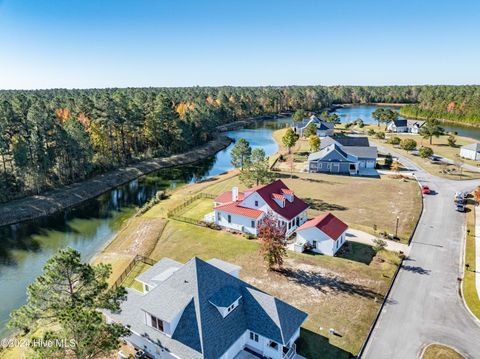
x: 159, y: 272
x: 225, y: 266
x: 326, y: 152
x: 400, y: 123
x: 361, y: 152
x: 202, y: 332
x: 225, y: 296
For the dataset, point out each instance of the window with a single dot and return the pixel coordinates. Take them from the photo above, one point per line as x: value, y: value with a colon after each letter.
x: 157, y: 323
x: 254, y: 337
x: 273, y: 345
x: 253, y: 224
x: 229, y: 219
x: 314, y: 244
x: 219, y: 216
x: 256, y: 203
x: 298, y: 221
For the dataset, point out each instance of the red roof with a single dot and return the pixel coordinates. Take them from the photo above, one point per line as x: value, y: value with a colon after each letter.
x: 291, y: 209
x: 287, y: 191
x: 227, y: 197
x: 278, y: 196
x: 234, y: 208
x: 328, y: 224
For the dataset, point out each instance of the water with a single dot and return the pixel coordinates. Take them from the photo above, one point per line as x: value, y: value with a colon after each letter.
x: 364, y: 112
x: 25, y: 247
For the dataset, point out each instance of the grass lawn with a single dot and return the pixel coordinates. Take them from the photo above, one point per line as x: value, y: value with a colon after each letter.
x: 130, y: 281
x: 438, y: 351
x: 470, y: 293
x: 439, y: 146
x: 198, y: 209
x: 338, y: 292
x: 359, y: 201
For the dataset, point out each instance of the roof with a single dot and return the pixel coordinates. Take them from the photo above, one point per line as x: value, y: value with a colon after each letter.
x: 227, y: 197
x: 352, y: 141
x: 291, y: 209
x: 235, y: 208
x: 325, y: 126
x: 225, y: 296
x: 158, y: 273
x: 400, y: 123
x: 472, y: 147
x: 225, y: 266
x: 202, y: 332
x: 361, y: 152
x: 328, y: 224
x: 320, y: 155
x: 278, y: 196
x: 411, y: 123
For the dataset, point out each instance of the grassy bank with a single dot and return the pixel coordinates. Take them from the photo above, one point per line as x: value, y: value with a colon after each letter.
x: 438, y: 351
x: 469, y: 288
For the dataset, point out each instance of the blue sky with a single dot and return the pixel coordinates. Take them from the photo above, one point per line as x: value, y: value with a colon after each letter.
x: 120, y: 43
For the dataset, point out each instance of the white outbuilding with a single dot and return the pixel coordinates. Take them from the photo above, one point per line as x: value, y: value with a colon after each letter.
x: 324, y: 234
x: 471, y: 151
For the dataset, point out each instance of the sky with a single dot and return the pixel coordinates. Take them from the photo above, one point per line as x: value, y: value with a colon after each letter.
x: 136, y: 43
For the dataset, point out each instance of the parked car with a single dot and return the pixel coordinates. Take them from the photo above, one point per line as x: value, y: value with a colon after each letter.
x: 460, y: 207
x: 426, y: 190
x: 460, y: 197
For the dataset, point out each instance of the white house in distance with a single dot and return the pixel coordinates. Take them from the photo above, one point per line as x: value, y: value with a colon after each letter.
x: 471, y: 151
x: 242, y: 211
x: 324, y: 234
x: 405, y: 126
x: 202, y: 310
x: 324, y: 128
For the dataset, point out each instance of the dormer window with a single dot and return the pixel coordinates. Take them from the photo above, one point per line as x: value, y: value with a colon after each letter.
x: 226, y: 300
x: 256, y: 203
x: 157, y: 323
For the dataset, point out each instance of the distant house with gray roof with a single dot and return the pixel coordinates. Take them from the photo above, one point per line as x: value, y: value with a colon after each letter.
x: 471, y: 151
x: 324, y: 128
x: 405, y: 126
x: 349, y: 155
x: 202, y: 310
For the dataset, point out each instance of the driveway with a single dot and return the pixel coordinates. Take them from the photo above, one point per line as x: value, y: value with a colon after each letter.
x: 354, y: 235
x: 424, y: 305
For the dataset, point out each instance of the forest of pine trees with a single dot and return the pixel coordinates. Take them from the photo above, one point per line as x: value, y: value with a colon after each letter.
x: 50, y: 138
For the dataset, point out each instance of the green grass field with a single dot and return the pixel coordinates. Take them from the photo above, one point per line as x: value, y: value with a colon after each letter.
x: 470, y: 293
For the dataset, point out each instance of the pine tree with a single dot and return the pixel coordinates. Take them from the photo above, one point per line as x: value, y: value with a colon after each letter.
x: 64, y: 302
x: 241, y: 153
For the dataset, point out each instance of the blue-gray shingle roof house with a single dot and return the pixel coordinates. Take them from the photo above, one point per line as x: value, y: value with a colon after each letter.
x: 203, y: 310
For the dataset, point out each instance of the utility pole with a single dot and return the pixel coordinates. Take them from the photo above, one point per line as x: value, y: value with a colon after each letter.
x: 396, y: 227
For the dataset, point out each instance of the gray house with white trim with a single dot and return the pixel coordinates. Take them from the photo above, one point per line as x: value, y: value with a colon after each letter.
x: 202, y: 310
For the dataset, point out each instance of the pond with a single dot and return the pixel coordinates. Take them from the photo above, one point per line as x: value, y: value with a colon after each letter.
x: 25, y: 247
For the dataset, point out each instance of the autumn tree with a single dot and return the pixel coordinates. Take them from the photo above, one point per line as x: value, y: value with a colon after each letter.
x: 310, y: 130
x: 314, y: 142
x: 395, y: 166
x: 271, y: 233
x: 477, y: 195
x: 289, y: 139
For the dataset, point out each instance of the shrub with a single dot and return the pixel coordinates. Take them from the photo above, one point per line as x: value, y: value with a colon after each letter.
x: 380, y: 135
x: 425, y: 152
x: 394, y: 140
x: 452, y: 140
x: 379, y: 244
x: 371, y: 132
x: 408, y: 144
x: 388, y: 160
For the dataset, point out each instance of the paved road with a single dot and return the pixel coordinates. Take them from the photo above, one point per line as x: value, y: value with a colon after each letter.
x: 424, y: 305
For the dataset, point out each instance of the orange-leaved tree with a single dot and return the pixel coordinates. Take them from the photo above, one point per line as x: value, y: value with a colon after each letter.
x: 271, y: 233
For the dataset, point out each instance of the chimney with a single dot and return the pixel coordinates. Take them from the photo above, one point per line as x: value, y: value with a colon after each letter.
x: 234, y: 194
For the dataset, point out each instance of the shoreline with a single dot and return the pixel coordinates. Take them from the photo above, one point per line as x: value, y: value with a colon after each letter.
x: 50, y: 202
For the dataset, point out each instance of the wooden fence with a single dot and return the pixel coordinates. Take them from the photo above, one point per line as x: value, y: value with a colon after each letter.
x: 138, y: 258
x: 174, y: 213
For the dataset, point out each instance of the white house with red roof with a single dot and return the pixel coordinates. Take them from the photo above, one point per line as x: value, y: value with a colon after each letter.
x: 242, y: 211
x: 324, y: 234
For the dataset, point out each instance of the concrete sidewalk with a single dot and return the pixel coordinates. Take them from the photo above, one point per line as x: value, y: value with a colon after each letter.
x: 355, y: 235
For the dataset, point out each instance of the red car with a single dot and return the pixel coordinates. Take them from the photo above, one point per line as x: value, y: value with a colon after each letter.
x: 426, y: 190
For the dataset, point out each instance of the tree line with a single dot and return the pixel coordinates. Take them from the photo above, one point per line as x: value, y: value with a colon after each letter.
x: 50, y: 138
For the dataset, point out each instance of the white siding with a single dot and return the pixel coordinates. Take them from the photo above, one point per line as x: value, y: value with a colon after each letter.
x: 324, y: 244
x: 237, y: 223
x: 470, y: 154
